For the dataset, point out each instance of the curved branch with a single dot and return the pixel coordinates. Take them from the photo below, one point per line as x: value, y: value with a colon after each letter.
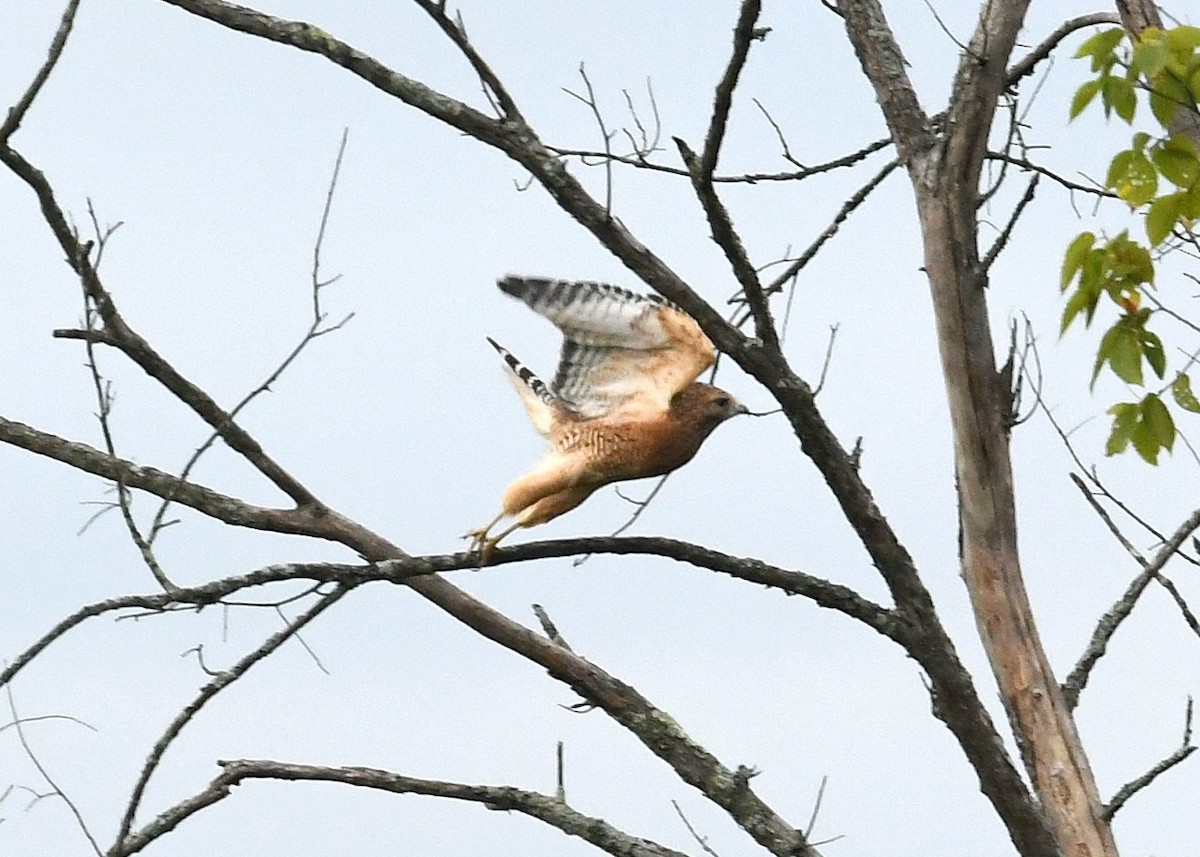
x: 547, y: 808
x: 820, y: 591
x: 1026, y: 164
x: 1044, y: 48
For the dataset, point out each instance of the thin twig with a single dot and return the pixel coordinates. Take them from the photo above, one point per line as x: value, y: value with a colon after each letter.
x: 847, y: 208
x: 702, y: 841
x: 549, y: 628
x: 221, y: 681
x: 605, y: 134
x: 104, y: 404
x: 783, y: 143
x: 45, y: 775
x: 119, y: 334
x: 457, y: 33
x: 316, y: 329
x: 1185, y: 749
x: 1077, y: 680
x: 592, y: 157
x: 1006, y: 233
x: 1093, y: 189
x: 639, y: 507
x: 833, y: 331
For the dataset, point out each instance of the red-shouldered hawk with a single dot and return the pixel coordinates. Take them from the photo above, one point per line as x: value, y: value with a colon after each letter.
x: 624, y: 404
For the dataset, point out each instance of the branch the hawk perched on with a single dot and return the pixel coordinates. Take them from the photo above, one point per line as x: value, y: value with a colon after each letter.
x: 624, y: 403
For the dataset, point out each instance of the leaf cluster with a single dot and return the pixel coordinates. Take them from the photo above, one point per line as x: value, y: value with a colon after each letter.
x: 1158, y: 176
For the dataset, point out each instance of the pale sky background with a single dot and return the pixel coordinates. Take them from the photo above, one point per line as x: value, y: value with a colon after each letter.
x: 215, y: 149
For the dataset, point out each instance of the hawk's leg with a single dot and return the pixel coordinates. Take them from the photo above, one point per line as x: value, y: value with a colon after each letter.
x: 484, y: 544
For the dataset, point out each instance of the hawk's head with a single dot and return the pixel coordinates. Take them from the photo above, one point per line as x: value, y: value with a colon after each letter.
x: 704, y: 407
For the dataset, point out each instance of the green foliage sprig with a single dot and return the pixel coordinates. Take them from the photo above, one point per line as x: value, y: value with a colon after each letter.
x: 1159, y: 176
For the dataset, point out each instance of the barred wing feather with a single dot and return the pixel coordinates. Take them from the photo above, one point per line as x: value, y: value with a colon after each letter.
x: 623, y: 353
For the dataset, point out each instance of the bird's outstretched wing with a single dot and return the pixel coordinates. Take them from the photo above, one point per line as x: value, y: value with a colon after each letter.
x: 623, y: 354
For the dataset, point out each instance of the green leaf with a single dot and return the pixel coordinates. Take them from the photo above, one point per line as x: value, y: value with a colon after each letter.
x: 1156, y: 429
x: 1077, y: 251
x: 1125, y: 417
x: 1150, y: 55
x: 1163, y: 106
x: 1082, y: 299
x: 1184, y: 38
x: 1139, y: 184
x: 1167, y: 92
x: 1161, y: 218
x: 1121, y: 349
x: 1189, y: 208
x: 1118, y: 95
x: 1101, y: 44
x: 1118, y: 168
x: 1177, y: 163
x: 1182, y: 392
x: 1156, y: 356
x: 1084, y: 96
x: 1125, y: 356
x: 1128, y: 263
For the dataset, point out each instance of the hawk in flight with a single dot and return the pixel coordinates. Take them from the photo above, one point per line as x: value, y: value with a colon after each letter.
x: 624, y: 404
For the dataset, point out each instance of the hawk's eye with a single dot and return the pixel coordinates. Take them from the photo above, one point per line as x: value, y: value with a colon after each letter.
x: 722, y: 401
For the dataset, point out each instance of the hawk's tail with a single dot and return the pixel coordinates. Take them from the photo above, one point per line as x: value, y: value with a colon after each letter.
x: 535, y: 395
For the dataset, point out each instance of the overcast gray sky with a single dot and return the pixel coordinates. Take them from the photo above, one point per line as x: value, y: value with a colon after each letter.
x: 214, y: 151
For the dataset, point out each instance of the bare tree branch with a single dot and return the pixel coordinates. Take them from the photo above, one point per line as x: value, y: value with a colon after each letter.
x: 1002, y: 241
x: 221, y: 681
x: 119, y: 335
x: 1045, y: 47
x: 457, y: 34
x: 639, y: 161
x: 17, y: 723
x: 701, y: 170
x: 17, y: 112
x: 1027, y: 164
x: 403, y: 570
x: 545, y: 808
x: 848, y: 207
x: 104, y: 404
x: 212, y: 503
x: 1077, y: 680
x: 316, y: 329
x: 1185, y: 749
